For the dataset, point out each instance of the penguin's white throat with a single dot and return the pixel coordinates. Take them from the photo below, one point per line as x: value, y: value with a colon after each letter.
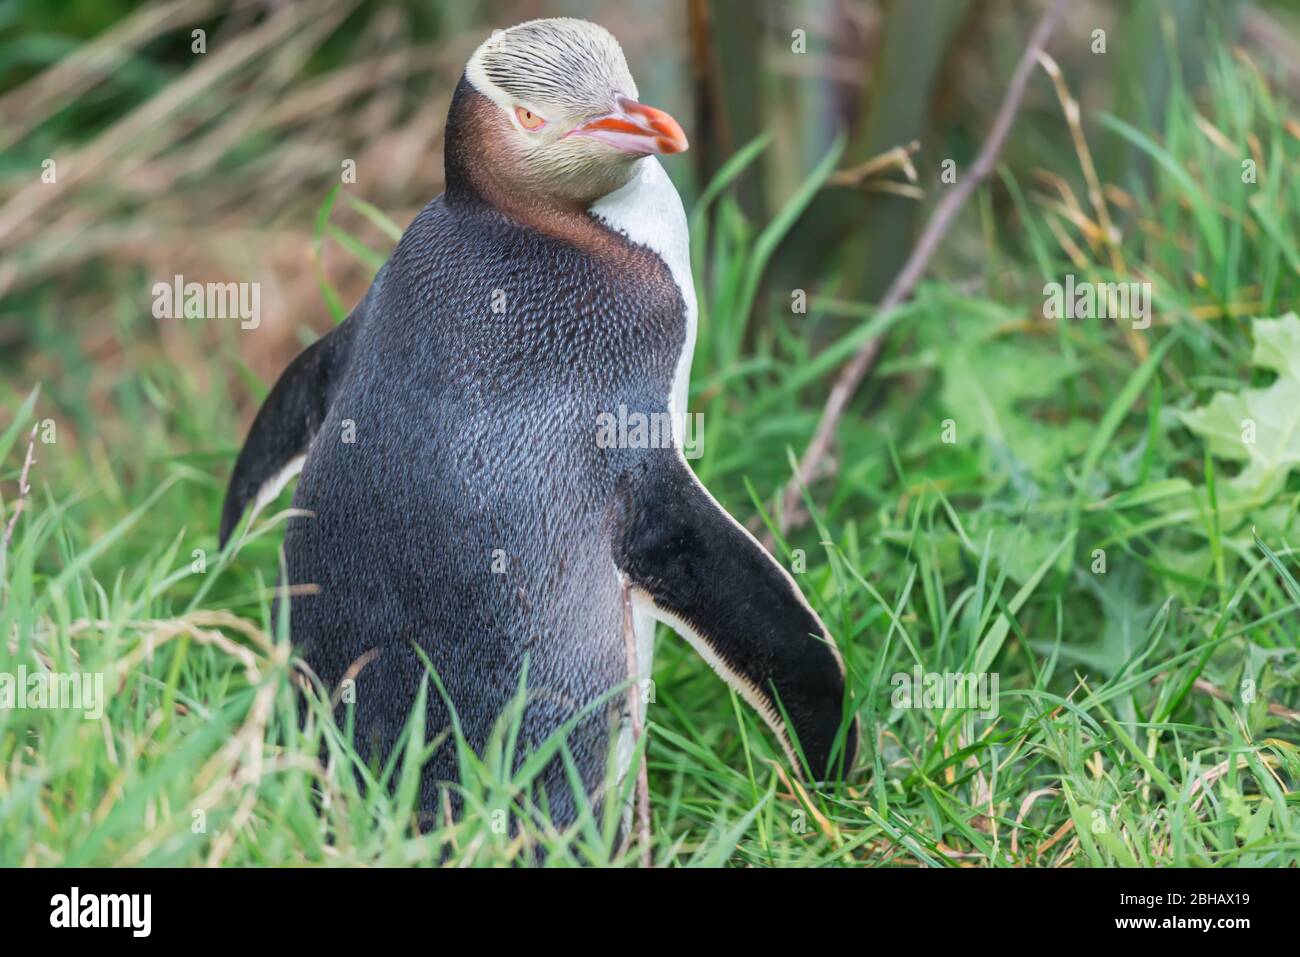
x: 649, y: 212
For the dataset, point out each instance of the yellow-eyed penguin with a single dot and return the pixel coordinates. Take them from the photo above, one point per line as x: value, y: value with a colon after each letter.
x: 463, y: 497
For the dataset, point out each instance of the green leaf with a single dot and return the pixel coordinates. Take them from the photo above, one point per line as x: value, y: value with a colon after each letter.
x: 1258, y: 427
x: 992, y: 381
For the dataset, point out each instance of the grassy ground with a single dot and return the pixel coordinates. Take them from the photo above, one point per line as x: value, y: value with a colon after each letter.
x: 1074, y: 507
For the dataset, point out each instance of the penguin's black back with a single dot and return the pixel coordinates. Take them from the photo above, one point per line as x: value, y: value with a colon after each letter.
x: 470, y: 514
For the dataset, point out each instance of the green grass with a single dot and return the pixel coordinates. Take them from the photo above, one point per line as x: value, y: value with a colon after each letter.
x: 1147, y: 712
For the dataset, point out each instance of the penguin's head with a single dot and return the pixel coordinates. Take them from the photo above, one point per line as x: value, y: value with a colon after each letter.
x: 564, y: 122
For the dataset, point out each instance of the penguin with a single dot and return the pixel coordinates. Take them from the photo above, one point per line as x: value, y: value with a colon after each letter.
x: 457, y: 510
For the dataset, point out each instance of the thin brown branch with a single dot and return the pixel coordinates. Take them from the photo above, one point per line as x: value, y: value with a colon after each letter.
x: 936, y: 229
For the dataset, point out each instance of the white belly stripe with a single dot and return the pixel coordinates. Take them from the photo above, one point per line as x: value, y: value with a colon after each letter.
x: 649, y: 212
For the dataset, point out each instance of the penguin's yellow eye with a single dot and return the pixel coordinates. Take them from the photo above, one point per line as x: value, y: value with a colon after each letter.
x: 528, y: 119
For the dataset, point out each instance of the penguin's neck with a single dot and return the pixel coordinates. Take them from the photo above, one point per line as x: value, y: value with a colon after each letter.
x: 649, y: 212
x: 645, y: 211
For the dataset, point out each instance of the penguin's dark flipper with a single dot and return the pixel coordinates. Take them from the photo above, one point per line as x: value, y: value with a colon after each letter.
x: 286, y: 423
x: 704, y: 575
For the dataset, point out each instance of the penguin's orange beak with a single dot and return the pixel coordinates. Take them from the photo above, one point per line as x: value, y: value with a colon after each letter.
x: 637, y: 129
